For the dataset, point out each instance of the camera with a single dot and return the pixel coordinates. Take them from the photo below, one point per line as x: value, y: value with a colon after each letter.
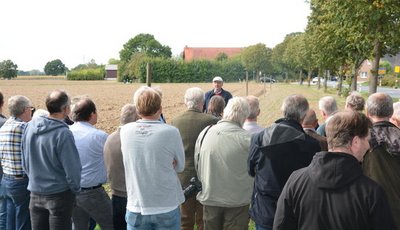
x: 193, y: 187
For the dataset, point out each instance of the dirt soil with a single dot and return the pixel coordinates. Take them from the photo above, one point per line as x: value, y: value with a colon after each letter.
x: 110, y: 96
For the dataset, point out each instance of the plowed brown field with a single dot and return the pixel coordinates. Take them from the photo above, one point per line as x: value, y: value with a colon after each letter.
x: 110, y: 96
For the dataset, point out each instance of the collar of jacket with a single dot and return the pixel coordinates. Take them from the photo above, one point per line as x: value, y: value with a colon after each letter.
x: 283, y: 131
x: 195, y: 110
x: 295, y: 124
x: 386, y: 135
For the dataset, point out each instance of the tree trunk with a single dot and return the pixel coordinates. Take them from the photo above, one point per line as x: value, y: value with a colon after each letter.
x: 327, y: 75
x: 319, y: 78
x: 309, y: 77
x: 258, y: 76
x: 340, y: 81
x: 301, y: 77
x: 356, y: 69
x: 373, y: 81
x: 354, y: 78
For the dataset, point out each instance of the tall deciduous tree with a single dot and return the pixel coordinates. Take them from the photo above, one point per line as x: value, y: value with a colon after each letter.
x: 55, y: 67
x: 257, y: 58
x: 350, y: 31
x: 144, y: 43
x: 283, y: 55
x: 8, y: 69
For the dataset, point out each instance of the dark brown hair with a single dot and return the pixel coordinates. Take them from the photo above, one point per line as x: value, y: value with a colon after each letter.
x: 83, y: 109
x: 1, y: 100
x: 56, y: 101
x: 216, y: 106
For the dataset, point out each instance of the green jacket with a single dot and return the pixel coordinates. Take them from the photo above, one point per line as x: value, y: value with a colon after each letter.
x: 190, y: 124
x: 382, y: 163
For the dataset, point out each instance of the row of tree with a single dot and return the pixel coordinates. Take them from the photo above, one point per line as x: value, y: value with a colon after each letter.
x: 339, y: 36
x: 8, y: 69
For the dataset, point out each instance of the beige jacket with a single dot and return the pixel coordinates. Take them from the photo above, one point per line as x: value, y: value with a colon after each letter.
x: 222, y: 166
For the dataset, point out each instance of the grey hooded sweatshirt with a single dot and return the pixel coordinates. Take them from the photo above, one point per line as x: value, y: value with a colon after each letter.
x: 50, y: 158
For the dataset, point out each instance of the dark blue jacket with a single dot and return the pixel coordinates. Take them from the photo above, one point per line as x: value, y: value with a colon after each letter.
x: 274, y: 154
x: 225, y: 94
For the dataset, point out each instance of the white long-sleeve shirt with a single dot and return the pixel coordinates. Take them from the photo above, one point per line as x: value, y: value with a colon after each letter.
x: 149, y: 150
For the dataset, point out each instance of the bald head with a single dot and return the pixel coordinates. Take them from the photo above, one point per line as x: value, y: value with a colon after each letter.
x: 56, y: 101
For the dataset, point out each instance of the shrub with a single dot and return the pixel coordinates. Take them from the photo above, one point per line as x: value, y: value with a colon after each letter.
x: 87, y: 74
x: 390, y: 81
x: 170, y: 70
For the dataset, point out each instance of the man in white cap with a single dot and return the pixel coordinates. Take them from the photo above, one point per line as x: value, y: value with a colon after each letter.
x: 218, y: 90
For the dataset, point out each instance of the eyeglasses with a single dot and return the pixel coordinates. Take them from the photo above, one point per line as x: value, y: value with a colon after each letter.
x: 33, y: 109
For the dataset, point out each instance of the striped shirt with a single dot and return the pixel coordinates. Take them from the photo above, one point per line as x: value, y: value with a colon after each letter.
x: 10, y: 146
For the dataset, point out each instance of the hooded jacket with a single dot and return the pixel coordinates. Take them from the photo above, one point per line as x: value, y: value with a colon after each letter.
x: 332, y: 193
x: 382, y: 163
x: 50, y: 157
x: 274, y: 154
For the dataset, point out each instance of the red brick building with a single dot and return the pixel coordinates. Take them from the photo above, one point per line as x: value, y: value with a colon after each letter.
x: 208, y: 53
x: 365, y: 69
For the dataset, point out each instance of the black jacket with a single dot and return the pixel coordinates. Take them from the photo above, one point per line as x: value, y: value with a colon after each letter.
x: 274, y: 154
x: 207, y: 97
x: 332, y: 193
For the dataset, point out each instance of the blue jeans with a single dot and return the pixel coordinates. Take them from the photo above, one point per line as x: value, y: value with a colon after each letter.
x: 3, y: 207
x: 119, y: 212
x: 52, y: 212
x: 165, y: 221
x: 18, y: 198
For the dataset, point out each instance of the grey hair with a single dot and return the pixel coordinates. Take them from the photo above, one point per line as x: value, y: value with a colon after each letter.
x: 355, y: 101
x: 194, y: 97
x: 40, y: 113
x: 128, y: 114
x: 396, y: 109
x: 380, y: 105
x: 254, y: 106
x: 237, y: 110
x: 328, y: 105
x: 17, y: 105
x: 295, y: 107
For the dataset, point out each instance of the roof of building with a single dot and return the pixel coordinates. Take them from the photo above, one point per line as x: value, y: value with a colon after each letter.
x: 191, y: 53
x: 111, y: 67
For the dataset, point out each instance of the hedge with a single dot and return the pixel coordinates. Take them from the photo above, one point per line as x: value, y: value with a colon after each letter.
x: 170, y: 70
x: 87, y: 74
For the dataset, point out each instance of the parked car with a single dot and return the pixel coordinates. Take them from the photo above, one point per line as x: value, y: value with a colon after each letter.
x: 267, y: 80
x: 314, y: 81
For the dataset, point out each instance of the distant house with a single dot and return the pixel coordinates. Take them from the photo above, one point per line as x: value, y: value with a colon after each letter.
x: 365, y: 70
x: 111, y: 71
x: 208, y: 53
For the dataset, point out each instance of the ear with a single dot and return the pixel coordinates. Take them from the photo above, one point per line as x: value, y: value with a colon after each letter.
x: 355, y: 144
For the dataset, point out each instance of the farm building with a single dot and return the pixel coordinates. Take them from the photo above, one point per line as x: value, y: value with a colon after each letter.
x: 208, y: 53
x: 111, y: 71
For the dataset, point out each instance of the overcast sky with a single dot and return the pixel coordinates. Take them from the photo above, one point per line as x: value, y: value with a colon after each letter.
x: 76, y: 31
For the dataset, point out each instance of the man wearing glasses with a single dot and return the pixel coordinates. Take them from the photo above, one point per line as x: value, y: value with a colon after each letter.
x: 14, y: 178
